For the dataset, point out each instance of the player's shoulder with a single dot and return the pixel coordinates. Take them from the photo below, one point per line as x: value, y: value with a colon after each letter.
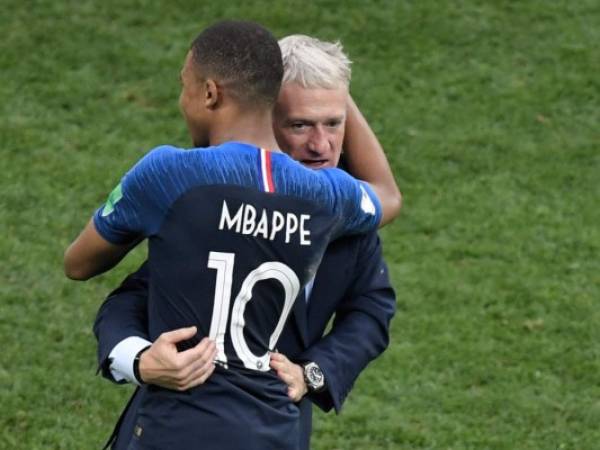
x: 339, y: 181
x: 329, y: 187
x: 283, y: 159
x: 321, y: 176
x: 158, y: 157
x: 167, y: 157
x: 163, y: 151
x: 171, y: 152
x: 292, y: 178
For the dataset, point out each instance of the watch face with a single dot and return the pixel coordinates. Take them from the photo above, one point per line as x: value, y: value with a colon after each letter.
x: 314, y: 376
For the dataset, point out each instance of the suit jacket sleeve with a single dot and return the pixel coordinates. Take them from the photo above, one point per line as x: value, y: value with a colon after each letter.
x: 360, y: 331
x: 123, y: 314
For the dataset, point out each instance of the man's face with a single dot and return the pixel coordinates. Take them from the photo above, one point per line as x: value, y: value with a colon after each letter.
x: 191, y: 103
x: 309, y: 124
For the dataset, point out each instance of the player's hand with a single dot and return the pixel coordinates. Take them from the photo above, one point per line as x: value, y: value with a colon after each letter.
x: 164, y: 366
x: 292, y: 374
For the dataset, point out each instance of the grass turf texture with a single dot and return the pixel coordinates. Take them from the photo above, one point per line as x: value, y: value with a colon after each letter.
x: 489, y: 112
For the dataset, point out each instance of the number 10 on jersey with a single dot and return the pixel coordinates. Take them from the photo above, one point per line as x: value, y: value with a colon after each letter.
x: 224, y: 263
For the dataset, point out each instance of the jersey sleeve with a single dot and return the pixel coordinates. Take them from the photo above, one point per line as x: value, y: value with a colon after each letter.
x: 355, y: 203
x: 136, y: 207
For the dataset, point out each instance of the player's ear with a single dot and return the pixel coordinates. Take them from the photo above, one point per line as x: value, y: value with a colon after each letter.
x: 211, y: 94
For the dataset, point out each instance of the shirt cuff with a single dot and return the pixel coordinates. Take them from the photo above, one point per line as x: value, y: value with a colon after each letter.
x: 122, y: 356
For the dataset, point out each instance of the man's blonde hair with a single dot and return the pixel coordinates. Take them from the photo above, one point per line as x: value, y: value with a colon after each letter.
x: 313, y: 63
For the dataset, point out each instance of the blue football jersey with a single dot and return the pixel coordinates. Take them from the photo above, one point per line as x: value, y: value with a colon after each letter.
x: 235, y: 232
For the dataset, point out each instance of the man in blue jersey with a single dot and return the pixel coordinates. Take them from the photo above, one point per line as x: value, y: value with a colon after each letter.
x: 257, y: 212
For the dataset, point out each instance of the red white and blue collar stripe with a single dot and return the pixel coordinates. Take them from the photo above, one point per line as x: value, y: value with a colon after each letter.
x: 266, y: 175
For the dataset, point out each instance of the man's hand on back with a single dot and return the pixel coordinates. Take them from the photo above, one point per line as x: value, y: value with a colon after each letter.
x: 292, y: 374
x: 163, y: 365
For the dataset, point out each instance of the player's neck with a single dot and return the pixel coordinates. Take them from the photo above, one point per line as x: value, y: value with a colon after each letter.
x: 253, y: 128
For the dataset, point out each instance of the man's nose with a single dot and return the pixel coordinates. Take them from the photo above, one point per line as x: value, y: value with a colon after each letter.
x: 318, y: 141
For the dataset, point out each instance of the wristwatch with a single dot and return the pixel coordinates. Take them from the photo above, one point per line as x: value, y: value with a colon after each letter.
x: 313, y: 377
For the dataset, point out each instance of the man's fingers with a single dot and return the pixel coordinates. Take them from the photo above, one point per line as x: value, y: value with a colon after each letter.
x: 280, y: 357
x: 207, y: 373
x: 198, y: 376
x: 201, y: 365
x: 294, y: 394
x: 181, y: 334
x: 286, y: 377
x: 277, y: 365
x: 291, y: 374
x: 280, y: 363
x: 203, y: 351
x: 197, y: 381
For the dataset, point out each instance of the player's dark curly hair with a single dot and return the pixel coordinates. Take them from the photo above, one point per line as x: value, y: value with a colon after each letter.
x: 242, y: 56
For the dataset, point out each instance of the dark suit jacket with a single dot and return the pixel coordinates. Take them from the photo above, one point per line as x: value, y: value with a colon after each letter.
x: 352, y: 282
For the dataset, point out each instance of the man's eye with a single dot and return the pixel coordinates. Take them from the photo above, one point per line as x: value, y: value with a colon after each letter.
x: 298, y: 125
x: 333, y: 124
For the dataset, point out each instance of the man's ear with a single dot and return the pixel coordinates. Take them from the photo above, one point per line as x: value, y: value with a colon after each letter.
x: 212, y: 94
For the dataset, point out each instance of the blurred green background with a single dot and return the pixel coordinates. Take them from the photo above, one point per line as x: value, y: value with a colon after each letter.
x: 489, y: 112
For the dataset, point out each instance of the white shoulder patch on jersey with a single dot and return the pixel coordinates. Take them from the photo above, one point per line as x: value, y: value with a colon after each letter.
x: 366, y: 204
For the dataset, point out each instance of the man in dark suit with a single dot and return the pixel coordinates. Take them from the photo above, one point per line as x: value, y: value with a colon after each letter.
x: 314, y: 118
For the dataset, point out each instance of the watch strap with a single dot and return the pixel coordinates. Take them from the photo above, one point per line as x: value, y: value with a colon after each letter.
x: 136, y: 365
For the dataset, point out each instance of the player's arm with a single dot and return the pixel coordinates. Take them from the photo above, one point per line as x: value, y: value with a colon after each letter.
x: 133, y: 210
x: 366, y: 161
x: 90, y: 254
x: 365, y: 311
